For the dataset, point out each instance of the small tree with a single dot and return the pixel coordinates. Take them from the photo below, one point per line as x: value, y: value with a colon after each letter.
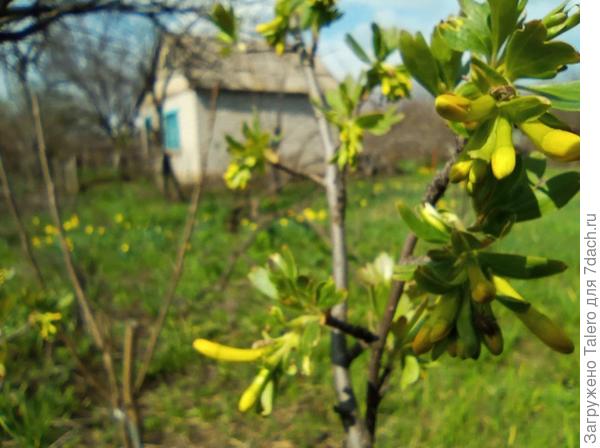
x: 452, y: 290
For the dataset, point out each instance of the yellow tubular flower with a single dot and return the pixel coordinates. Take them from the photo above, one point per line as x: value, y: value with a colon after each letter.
x: 555, y: 143
x: 482, y: 290
x: 548, y: 332
x: 225, y: 353
x: 504, y: 156
x: 458, y: 108
x: 460, y: 170
x: 251, y: 394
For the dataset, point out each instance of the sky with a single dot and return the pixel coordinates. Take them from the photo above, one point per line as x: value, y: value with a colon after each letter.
x: 411, y: 15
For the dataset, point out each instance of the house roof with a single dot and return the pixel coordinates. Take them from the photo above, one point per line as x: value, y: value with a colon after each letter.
x: 257, y: 69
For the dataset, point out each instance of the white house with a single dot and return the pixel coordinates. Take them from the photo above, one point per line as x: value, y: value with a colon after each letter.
x: 256, y: 80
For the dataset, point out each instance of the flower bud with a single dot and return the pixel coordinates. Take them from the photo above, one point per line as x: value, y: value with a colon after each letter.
x: 482, y: 290
x: 504, y: 156
x: 224, y: 353
x: 554, y: 143
x: 458, y: 108
x: 253, y: 392
x: 460, y: 170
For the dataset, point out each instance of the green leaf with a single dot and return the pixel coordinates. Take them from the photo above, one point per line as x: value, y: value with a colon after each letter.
x: 524, y: 108
x: 430, y: 280
x: 449, y: 61
x: 421, y: 229
x: 379, y: 123
x: 357, y: 49
x: 310, y: 338
x: 564, y: 96
x: 485, y: 76
x: 504, y: 15
x: 529, y: 55
x: 536, y: 164
x: 378, y: 43
x: 327, y: 294
x: 419, y: 61
x: 410, y: 372
x: 224, y: 19
x: 551, y: 196
x: 470, y: 31
x: 260, y: 279
x: 519, y: 266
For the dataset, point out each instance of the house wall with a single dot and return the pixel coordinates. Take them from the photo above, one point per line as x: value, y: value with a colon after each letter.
x: 186, y: 160
x: 300, y: 146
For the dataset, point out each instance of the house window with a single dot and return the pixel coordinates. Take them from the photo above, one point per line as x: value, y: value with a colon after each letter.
x: 171, y: 129
x: 148, y: 125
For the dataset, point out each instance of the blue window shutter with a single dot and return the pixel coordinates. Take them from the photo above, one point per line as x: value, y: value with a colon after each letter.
x: 171, y: 128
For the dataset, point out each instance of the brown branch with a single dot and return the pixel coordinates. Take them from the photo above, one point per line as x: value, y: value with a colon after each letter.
x: 82, y: 299
x: 309, y: 176
x: 133, y: 423
x: 181, y: 253
x: 14, y: 211
x: 89, y: 376
x: 435, y: 190
x: 335, y: 188
x: 356, y: 331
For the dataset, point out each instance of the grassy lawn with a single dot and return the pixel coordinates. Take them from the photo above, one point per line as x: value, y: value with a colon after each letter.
x: 125, y: 242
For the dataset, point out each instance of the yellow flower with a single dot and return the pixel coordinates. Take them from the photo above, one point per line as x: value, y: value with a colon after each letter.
x: 245, y: 222
x: 124, y: 248
x: 119, y: 218
x: 44, y: 320
x: 363, y: 203
x: 36, y: 241
x: 50, y: 229
x: 322, y: 215
x: 72, y: 223
x: 283, y: 222
x: 309, y: 214
x: 378, y: 188
x: 35, y: 221
x: 101, y: 230
x: 89, y: 229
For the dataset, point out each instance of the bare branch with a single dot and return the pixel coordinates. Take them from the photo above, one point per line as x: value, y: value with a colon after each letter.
x: 286, y: 169
x: 434, y: 192
x: 181, y: 253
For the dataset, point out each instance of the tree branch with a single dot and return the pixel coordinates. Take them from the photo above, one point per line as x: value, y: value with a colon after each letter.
x: 181, y: 253
x: 82, y: 299
x: 286, y: 169
x: 356, y: 331
x: 435, y: 190
x: 336, y: 200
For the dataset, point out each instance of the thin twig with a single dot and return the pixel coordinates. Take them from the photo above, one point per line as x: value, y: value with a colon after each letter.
x: 335, y: 187
x: 133, y: 423
x: 89, y: 376
x: 435, y: 190
x: 356, y: 331
x: 291, y: 171
x: 181, y: 253
x: 14, y: 211
x: 82, y: 299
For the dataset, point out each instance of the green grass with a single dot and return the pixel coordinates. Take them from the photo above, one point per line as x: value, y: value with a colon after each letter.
x: 527, y: 397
